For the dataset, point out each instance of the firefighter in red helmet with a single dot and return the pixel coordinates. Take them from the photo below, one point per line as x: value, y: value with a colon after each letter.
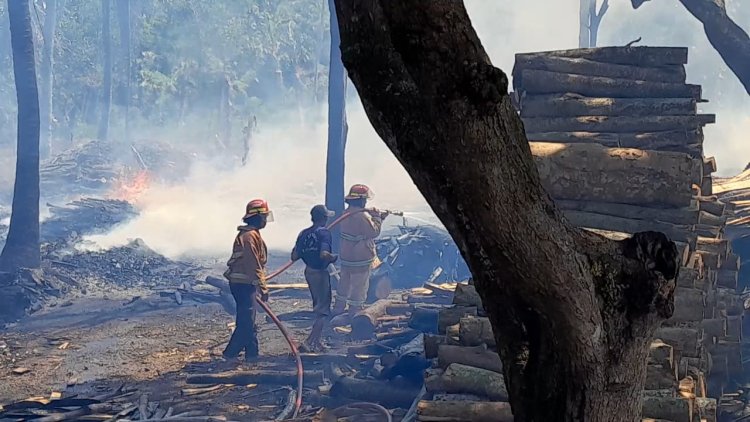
x: 247, y: 278
x: 358, y: 233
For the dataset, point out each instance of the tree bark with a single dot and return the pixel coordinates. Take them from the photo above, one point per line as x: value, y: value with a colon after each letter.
x: 580, y: 66
x: 46, y: 78
x: 556, y: 105
x: 590, y: 172
x: 569, y: 308
x: 543, y: 82
x: 337, y: 127
x: 21, y: 248
x: 106, y: 94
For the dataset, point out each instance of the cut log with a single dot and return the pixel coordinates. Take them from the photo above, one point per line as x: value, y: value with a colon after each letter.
x: 556, y: 105
x: 707, y: 185
x: 668, y: 392
x: 452, y: 316
x: 720, y: 247
x: 734, y: 328
x: 631, y: 226
x: 680, y: 216
x: 708, y: 219
x: 477, y: 357
x: 589, y: 172
x: 661, y: 353
x: 384, y: 393
x: 465, y: 379
x: 659, y: 377
x: 732, y: 350
x: 714, y: 327
x: 425, y: 320
x: 580, y: 66
x: 618, y: 124
x: 729, y: 302
x: 636, y: 56
x: 313, y: 378
x: 708, y: 231
x: 731, y: 263
x: 544, y: 82
x: 727, y: 278
x: 466, y: 295
x: 692, y: 367
x: 706, y: 409
x: 710, y: 259
x: 396, y: 309
x: 415, y: 346
x: 365, y: 321
x: 675, y: 409
x: 688, y: 305
x: 711, y: 205
x: 432, y: 343
x: 684, y: 340
x: 688, y: 277
x: 449, y: 411
x: 476, y: 331
x: 689, y: 142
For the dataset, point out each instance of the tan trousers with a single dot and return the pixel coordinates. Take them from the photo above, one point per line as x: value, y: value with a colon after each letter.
x: 353, y: 285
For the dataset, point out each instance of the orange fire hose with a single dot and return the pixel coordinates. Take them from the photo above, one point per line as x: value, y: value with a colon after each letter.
x: 282, y: 328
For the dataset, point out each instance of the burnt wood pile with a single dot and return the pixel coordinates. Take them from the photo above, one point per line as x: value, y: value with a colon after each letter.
x: 618, y: 142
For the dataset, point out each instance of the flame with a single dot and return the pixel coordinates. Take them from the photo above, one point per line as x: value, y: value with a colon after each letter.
x: 130, y: 189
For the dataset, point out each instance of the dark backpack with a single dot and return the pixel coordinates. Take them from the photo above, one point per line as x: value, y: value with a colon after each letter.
x: 309, y: 247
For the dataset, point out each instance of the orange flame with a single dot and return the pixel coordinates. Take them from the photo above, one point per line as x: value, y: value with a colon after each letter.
x: 131, y: 189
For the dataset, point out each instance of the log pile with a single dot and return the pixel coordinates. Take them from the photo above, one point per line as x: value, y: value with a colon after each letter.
x: 619, y: 145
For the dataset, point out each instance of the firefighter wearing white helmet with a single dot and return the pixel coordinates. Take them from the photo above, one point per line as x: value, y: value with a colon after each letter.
x: 358, y: 233
x: 247, y: 278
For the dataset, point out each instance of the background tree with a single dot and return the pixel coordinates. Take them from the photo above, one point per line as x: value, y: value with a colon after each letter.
x: 22, y: 245
x: 573, y: 312
x: 589, y: 21
x: 46, y: 78
x: 123, y: 21
x: 106, y: 104
x: 337, y: 128
x: 729, y: 39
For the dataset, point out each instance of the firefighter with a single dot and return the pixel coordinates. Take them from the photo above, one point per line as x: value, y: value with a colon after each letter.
x: 247, y: 278
x: 358, y: 233
x: 313, y: 246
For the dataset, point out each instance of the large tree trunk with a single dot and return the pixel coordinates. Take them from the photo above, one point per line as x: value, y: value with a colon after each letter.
x: 573, y: 313
x: 106, y: 99
x: 337, y: 128
x: 123, y: 20
x: 22, y: 244
x: 728, y: 39
x: 46, y: 79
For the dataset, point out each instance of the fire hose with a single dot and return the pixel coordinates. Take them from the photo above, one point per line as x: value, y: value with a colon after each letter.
x: 282, y: 327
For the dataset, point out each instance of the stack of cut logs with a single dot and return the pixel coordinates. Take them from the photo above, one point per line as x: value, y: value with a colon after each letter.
x: 618, y: 143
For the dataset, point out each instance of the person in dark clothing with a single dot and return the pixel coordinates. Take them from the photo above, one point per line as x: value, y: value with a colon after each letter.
x: 313, y: 246
x: 247, y: 278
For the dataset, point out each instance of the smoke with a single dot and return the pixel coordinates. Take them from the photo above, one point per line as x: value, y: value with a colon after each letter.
x: 288, y: 161
x: 287, y: 168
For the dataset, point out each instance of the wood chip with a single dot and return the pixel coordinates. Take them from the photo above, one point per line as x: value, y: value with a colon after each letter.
x: 64, y: 345
x: 21, y: 371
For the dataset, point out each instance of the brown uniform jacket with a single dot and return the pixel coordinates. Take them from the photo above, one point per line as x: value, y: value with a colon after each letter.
x: 358, y: 234
x: 247, y: 264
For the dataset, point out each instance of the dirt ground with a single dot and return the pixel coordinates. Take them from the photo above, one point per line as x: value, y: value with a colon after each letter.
x: 149, y: 343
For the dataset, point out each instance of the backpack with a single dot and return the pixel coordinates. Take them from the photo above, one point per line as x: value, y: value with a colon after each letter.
x: 309, y: 247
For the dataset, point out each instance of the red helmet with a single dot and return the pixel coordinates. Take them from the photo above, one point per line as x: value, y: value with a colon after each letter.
x: 359, y: 191
x: 258, y: 206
